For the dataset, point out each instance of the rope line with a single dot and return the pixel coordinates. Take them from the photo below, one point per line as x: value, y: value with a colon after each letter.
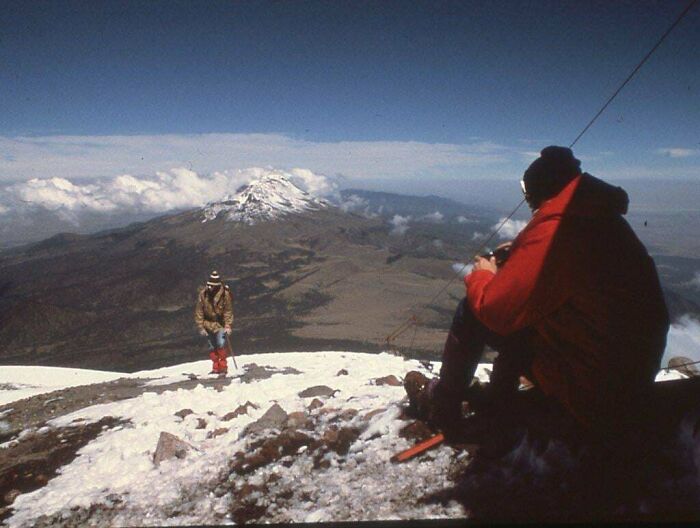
x: 638, y: 67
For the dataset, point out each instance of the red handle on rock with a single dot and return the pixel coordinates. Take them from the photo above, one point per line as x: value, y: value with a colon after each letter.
x: 418, y: 448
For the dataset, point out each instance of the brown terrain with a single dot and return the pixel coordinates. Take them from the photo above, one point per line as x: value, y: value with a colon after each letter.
x: 123, y: 300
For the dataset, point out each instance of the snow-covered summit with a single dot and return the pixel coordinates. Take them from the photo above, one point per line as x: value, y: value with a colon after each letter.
x: 267, y: 198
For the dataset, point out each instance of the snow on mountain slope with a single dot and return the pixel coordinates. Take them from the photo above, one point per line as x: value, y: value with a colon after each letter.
x: 18, y: 382
x: 267, y: 198
x: 117, y: 470
x: 114, y: 481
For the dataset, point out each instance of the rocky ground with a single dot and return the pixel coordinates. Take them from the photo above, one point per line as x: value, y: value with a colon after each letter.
x: 32, y: 452
x: 260, y: 483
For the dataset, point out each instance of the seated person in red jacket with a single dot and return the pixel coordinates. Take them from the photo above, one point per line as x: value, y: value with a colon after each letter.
x: 577, y: 306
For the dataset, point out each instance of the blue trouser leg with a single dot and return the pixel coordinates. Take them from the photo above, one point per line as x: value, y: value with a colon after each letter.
x: 216, y: 339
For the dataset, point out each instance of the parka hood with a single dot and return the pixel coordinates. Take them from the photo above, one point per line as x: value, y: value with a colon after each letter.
x: 588, y: 196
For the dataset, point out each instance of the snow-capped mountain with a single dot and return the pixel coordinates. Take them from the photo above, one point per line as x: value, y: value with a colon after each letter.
x: 264, y: 199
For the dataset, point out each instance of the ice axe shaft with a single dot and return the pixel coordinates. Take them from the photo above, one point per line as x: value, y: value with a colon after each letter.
x: 230, y: 351
x: 418, y: 448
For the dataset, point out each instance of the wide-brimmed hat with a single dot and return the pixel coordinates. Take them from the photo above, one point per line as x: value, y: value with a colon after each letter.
x: 214, y: 279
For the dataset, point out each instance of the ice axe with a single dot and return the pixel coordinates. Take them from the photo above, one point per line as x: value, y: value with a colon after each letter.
x: 230, y: 351
x: 418, y: 448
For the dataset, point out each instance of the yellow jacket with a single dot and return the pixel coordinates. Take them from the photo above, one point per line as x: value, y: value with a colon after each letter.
x: 214, y: 314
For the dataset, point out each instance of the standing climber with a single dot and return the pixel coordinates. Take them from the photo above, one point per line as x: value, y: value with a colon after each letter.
x: 213, y: 316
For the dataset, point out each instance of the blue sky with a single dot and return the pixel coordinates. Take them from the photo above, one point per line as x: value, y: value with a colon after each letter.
x: 382, y: 90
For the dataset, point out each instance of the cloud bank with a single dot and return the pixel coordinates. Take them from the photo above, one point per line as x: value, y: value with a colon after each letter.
x: 435, y: 217
x: 510, y: 228
x: 695, y: 281
x: 678, y: 152
x: 399, y: 225
x: 175, y: 189
x: 80, y: 157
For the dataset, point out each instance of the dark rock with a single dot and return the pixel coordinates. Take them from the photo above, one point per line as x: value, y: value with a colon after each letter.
x: 247, y: 512
x: 254, y: 372
x: 315, y: 404
x: 274, y: 418
x: 269, y: 450
x: 241, y: 409
x: 201, y: 423
x: 297, y: 420
x: 388, y: 380
x: 217, y: 432
x: 184, y: 412
x: 11, y: 495
x: 318, y: 390
x: 339, y: 440
x: 416, y: 431
x: 345, y: 415
x: 321, y: 463
x: 342, y: 372
x: 367, y: 417
x: 170, y: 446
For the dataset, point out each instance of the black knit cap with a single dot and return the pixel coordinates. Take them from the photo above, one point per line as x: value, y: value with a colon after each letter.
x: 549, y: 174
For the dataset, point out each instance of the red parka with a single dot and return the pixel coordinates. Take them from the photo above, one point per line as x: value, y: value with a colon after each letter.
x: 580, y: 278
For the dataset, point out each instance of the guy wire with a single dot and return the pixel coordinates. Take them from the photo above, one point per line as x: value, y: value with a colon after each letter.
x: 629, y: 77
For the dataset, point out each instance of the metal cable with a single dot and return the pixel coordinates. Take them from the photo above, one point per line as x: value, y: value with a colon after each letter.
x: 638, y: 67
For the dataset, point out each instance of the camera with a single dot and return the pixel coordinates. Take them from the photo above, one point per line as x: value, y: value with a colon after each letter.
x: 500, y: 254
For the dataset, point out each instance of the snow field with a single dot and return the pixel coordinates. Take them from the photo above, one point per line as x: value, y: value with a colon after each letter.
x: 117, y: 470
x: 361, y: 485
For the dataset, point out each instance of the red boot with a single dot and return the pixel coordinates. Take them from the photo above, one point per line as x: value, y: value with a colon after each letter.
x: 223, y: 364
x: 214, y: 362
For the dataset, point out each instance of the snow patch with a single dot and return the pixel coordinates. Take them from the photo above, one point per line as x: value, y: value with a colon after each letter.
x: 269, y: 197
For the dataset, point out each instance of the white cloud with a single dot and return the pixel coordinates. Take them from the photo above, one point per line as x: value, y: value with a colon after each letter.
x: 465, y: 220
x: 683, y: 340
x: 462, y: 269
x: 436, y: 217
x: 177, y: 188
x: 79, y: 157
x: 400, y: 224
x: 678, y: 152
x: 312, y: 183
x: 510, y: 228
x: 356, y: 204
x: 695, y: 281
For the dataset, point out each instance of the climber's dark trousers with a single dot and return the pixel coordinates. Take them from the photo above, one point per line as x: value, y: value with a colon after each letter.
x: 465, y: 345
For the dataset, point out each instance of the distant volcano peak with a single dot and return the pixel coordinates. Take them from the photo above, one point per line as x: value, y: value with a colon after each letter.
x: 266, y: 198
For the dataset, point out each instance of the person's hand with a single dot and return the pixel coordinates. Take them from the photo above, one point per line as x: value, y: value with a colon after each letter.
x: 481, y: 263
x: 203, y: 332
x: 227, y: 330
